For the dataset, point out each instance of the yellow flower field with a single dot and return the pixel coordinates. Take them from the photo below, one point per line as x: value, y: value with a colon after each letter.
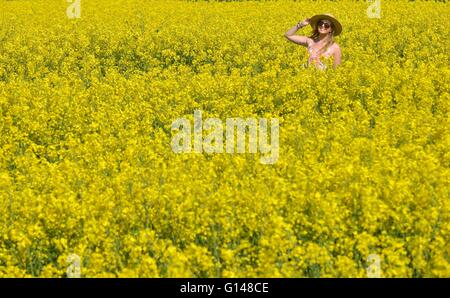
x: 86, y: 166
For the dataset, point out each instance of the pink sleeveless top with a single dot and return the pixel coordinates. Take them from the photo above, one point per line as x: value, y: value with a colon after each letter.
x: 314, y: 58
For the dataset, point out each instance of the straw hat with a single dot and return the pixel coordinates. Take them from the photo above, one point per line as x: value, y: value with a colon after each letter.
x: 327, y: 16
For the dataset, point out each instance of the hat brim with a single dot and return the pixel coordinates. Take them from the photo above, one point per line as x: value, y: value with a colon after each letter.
x: 337, y: 26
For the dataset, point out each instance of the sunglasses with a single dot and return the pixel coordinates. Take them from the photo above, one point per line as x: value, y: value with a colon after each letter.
x: 321, y: 23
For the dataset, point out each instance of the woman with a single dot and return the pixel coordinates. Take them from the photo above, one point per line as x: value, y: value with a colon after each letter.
x: 320, y: 43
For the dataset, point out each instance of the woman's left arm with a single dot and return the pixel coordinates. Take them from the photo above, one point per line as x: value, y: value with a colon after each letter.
x: 337, y: 56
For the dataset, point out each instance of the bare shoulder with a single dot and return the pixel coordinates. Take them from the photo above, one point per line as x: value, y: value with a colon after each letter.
x: 310, y: 41
x: 336, y: 47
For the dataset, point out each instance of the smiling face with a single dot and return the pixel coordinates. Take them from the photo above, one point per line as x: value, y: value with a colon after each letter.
x: 324, y: 26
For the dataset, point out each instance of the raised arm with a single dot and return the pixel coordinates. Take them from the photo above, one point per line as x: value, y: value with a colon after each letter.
x: 301, y: 40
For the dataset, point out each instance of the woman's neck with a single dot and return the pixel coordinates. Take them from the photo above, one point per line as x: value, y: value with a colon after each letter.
x: 322, y: 37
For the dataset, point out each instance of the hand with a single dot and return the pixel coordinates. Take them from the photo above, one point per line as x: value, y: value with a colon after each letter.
x: 306, y: 22
x: 303, y: 23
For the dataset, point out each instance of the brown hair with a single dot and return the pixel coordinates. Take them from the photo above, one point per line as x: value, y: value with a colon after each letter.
x: 316, y: 35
